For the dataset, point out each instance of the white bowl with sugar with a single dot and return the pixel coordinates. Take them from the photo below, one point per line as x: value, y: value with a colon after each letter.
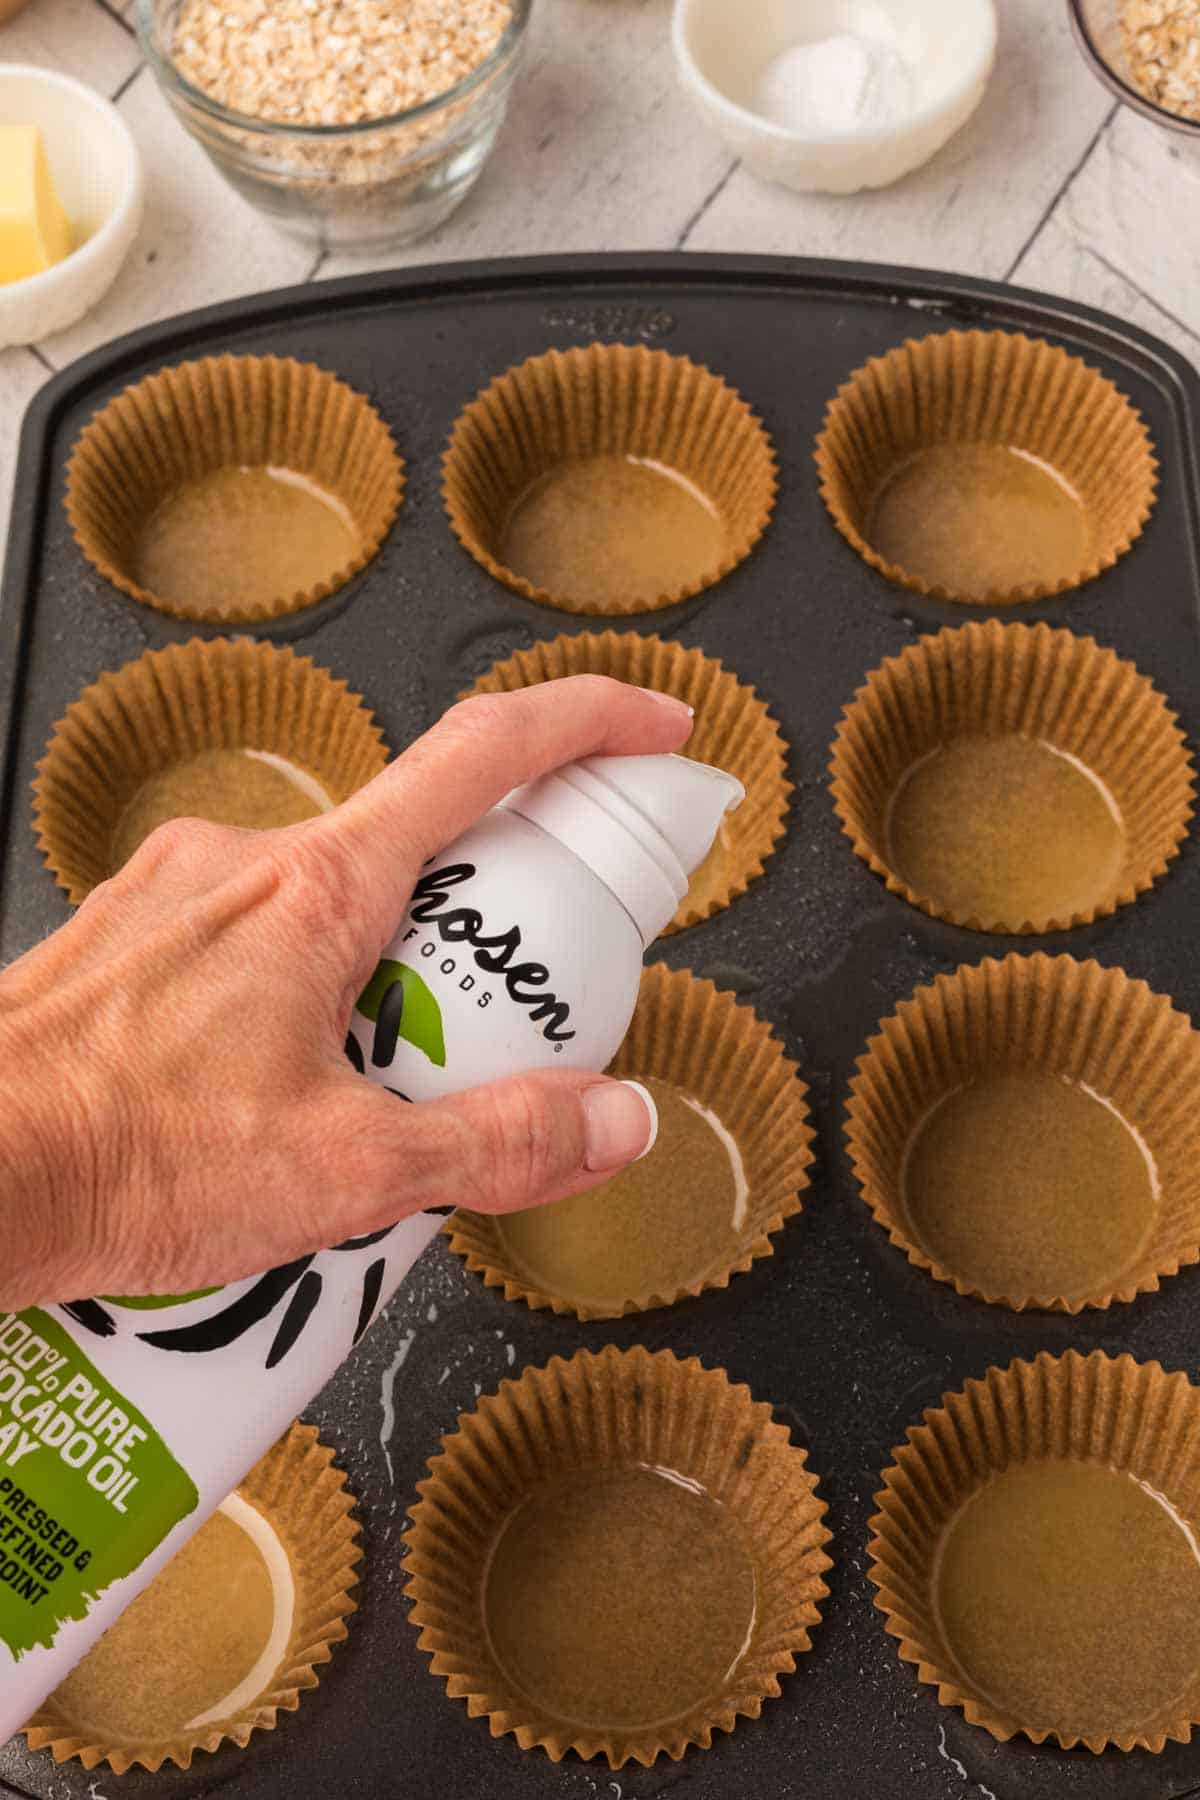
x: 831, y: 96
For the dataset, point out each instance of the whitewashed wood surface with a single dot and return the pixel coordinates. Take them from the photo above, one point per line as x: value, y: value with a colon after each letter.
x: 1051, y: 184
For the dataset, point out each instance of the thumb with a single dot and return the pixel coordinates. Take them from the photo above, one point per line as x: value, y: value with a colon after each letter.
x: 500, y: 1148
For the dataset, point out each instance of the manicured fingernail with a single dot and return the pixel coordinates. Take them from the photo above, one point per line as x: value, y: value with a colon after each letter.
x: 671, y: 701
x: 620, y: 1124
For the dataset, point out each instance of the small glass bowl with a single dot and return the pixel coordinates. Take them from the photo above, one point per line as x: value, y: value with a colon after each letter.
x: 369, y: 186
x: 1097, y: 25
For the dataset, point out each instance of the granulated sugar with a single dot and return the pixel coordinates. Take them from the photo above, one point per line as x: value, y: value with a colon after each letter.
x: 835, y: 84
x: 333, y: 62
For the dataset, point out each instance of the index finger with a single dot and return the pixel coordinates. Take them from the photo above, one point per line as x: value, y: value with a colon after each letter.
x: 486, y: 746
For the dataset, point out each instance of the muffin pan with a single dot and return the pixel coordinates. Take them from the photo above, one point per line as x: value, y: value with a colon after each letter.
x: 846, y: 1338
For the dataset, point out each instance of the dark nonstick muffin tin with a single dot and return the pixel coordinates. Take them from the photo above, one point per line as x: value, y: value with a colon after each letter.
x: 845, y: 1339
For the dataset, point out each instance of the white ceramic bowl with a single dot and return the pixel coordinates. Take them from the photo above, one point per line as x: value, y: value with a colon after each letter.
x: 98, y: 174
x: 722, y: 48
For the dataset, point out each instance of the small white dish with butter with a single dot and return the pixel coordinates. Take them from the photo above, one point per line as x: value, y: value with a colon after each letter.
x: 830, y: 96
x: 78, y: 160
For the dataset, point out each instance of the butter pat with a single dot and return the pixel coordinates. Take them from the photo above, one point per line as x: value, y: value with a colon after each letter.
x: 34, y: 230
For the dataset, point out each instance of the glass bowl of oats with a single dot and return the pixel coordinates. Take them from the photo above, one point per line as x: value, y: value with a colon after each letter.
x: 1148, y: 53
x: 354, y: 124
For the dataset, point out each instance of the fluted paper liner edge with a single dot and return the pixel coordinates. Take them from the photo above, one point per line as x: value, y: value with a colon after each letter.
x: 1093, y: 1026
x: 1033, y: 681
x: 220, y: 412
x: 304, y: 1496
x: 614, y: 399
x: 603, y: 1411
x: 733, y: 731
x: 990, y: 387
x: 171, y: 704
x: 688, y: 1032
x: 1122, y: 1414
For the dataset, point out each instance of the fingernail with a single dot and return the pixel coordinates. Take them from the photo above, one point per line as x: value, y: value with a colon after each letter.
x: 620, y: 1124
x: 671, y: 701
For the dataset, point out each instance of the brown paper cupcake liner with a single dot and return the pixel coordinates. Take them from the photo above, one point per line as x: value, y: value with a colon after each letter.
x: 1035, y: 1552
x: 733, y: 731
x: 159, y: 714
x: 618, y: 1534
x: 985, y: 467
x: 1012, y: 778
x: 667, y: 1228
x: 1039, y: 1199
x: 608, y: 479
x: 234, y: 489
x: 304, y: 1499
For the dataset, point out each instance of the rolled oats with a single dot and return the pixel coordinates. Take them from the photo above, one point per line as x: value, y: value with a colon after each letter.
x: 1162, y: 44
x: 333, y: 62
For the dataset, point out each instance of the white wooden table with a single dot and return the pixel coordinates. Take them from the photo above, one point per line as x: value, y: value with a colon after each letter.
x: 1051, y: 184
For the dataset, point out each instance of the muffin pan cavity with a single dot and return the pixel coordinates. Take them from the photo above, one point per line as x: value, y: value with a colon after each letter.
x: 618, y: 1555
x: 611, y: 479
x: 730, y: 1164
x: 986, y: 467
x: 236, y: 733
x: 1026, y: 1130
x: 1012, y: 778
x: 1035, y: 1552
x: 229, y: 1635
x: 234, y: 489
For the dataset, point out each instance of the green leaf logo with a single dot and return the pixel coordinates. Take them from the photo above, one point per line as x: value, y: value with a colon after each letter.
x: 408, y: 1008
x: 153, y: 1302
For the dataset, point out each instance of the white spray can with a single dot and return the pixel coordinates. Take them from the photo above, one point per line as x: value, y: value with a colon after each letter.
x: 125, y: 1422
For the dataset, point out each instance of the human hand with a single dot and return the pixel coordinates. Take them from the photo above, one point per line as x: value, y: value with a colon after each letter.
x: 176, y: 1109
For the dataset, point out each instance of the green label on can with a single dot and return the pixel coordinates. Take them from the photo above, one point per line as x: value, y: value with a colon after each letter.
x: 87, y: 1487
x: 415, y: 1014
x: 156, y: 1302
